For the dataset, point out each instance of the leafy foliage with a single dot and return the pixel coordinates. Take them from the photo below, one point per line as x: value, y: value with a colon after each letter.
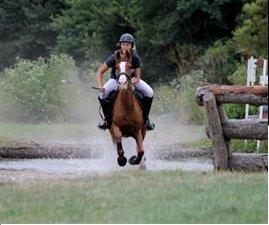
x: 36, y: 85
x: 189, y: 108
x: 176, y: 39
x: 25, y: 29
x: 218, y: 62
x: 91, y: 28
x: 251, y: 37
x: 239, y: 76
x: 248, y: 146
x: 235, y: 111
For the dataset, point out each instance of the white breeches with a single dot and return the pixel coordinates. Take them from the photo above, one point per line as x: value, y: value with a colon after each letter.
x: 142, y: 86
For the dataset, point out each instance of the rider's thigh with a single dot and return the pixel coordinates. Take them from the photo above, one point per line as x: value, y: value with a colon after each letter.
x: 144, y: 88
x: 110, y: 85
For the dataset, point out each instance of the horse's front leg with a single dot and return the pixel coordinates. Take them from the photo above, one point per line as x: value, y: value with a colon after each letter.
x: 136, y: 159
x: 117, y: 137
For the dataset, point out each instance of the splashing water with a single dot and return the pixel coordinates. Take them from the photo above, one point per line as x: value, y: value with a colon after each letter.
x: 99, y: 154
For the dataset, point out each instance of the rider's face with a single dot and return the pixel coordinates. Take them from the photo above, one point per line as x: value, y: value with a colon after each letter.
x: 126, y: 46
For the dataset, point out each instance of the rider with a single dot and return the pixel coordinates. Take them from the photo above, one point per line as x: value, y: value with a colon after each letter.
x: 126, y: 44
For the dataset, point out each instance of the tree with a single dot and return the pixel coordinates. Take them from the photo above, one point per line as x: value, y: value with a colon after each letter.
x: 91, y: 29
x: 25, y: 29
x: 251, y: 37
x: 164, y: 27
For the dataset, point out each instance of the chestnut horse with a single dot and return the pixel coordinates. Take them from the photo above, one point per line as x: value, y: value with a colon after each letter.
x: 127, y: 120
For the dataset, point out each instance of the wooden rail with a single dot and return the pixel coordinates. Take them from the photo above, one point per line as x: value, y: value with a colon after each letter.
x: 221, y: 129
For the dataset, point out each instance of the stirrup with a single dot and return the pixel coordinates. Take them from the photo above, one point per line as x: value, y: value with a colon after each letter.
x: 150, y: 125
x: 102, y: 125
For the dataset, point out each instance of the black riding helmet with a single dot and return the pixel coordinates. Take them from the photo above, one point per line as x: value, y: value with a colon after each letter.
x: 127, y: 38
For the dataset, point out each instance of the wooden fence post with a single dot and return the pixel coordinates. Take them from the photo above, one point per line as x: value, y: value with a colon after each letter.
x: 221, y: 129
x: 220, y: 154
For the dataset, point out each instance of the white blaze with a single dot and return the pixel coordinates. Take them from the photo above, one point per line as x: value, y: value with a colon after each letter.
x: 122, y: 67
x: 122, y: 79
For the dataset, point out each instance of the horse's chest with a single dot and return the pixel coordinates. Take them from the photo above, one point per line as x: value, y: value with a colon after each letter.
x: 127, y: 125
x: 128, y: 131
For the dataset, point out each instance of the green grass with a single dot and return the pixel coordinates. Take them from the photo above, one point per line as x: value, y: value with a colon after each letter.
x: 16, y: 132
x: 250, y: 146
x: 139, y: 197
x: 22, y: 131
x: 4, y: 142
x: 201, y: 143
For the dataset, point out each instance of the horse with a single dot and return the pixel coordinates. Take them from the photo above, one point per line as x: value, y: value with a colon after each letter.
x: 127, y: 116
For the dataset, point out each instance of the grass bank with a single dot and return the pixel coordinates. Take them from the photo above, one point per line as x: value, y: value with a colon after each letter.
x: 167, y: 130
x: 139, y: 197
x: 249, y: 146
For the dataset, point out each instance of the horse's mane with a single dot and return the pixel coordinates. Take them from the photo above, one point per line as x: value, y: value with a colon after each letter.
x: 133, y: 52
x: 129, y: 55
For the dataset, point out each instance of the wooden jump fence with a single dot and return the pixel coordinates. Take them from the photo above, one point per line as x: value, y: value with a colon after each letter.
x: 221, y: 129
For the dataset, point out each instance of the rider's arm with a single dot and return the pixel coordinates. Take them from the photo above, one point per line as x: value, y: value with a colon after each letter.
x: 137, y: 75
x: 100, y: 74
x: 136, y: 64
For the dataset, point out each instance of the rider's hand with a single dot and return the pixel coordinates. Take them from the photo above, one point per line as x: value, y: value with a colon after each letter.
x: 102, y: 89
x: 135, y: 80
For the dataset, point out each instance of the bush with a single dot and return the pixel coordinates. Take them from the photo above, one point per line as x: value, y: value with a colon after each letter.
x: 193, y: 113
x: 235, y: 111
x: 179, y: 98
x: 251, y: 35
x: 36, y: 86
x: 248, y: 146
x: 239, y: 76
x: 237, y: 146
x: 166, y: 100
x: 218, y: 62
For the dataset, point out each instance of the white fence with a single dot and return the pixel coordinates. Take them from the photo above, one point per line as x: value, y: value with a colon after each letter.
x: 253, y: 65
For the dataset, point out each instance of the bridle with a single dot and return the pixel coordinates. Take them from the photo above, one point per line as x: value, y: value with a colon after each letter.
x: 126, y: 74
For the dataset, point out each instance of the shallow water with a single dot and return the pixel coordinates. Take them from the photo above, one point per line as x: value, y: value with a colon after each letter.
x: 84, y: 166
x: 100, y: 155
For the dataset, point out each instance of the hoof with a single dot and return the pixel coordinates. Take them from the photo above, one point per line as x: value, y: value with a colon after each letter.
x: 122, y: 160
x: 134, y: 160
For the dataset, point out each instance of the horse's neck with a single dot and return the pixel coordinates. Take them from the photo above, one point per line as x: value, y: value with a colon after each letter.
x: 126, y: 98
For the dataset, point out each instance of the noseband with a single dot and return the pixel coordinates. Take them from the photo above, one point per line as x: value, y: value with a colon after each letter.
x: 127, y: 76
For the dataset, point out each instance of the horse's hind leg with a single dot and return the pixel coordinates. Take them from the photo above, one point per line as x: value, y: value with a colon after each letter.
x: 117, y: 138
x: 136, y: 159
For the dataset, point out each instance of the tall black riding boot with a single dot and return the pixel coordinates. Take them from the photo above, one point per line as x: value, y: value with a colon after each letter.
x: 146, y: 109
x: 107, y: 111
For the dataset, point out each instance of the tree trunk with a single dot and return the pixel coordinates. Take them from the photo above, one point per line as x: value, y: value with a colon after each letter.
x: 27, y: 152
x: 249, y: 162
x: 220, y: 155
x: 251, y: 99
x: 255, y: 129
x: 255, y: 95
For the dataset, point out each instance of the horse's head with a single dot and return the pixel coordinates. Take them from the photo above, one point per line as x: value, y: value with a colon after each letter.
x: 123, y: 70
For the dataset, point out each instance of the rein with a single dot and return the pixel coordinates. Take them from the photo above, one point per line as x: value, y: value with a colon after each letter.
x: 127, y: 75
x: 128, y: 78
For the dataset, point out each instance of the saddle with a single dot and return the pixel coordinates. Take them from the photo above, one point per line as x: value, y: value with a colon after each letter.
x: 112, y: 97
x: 110, y: 100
